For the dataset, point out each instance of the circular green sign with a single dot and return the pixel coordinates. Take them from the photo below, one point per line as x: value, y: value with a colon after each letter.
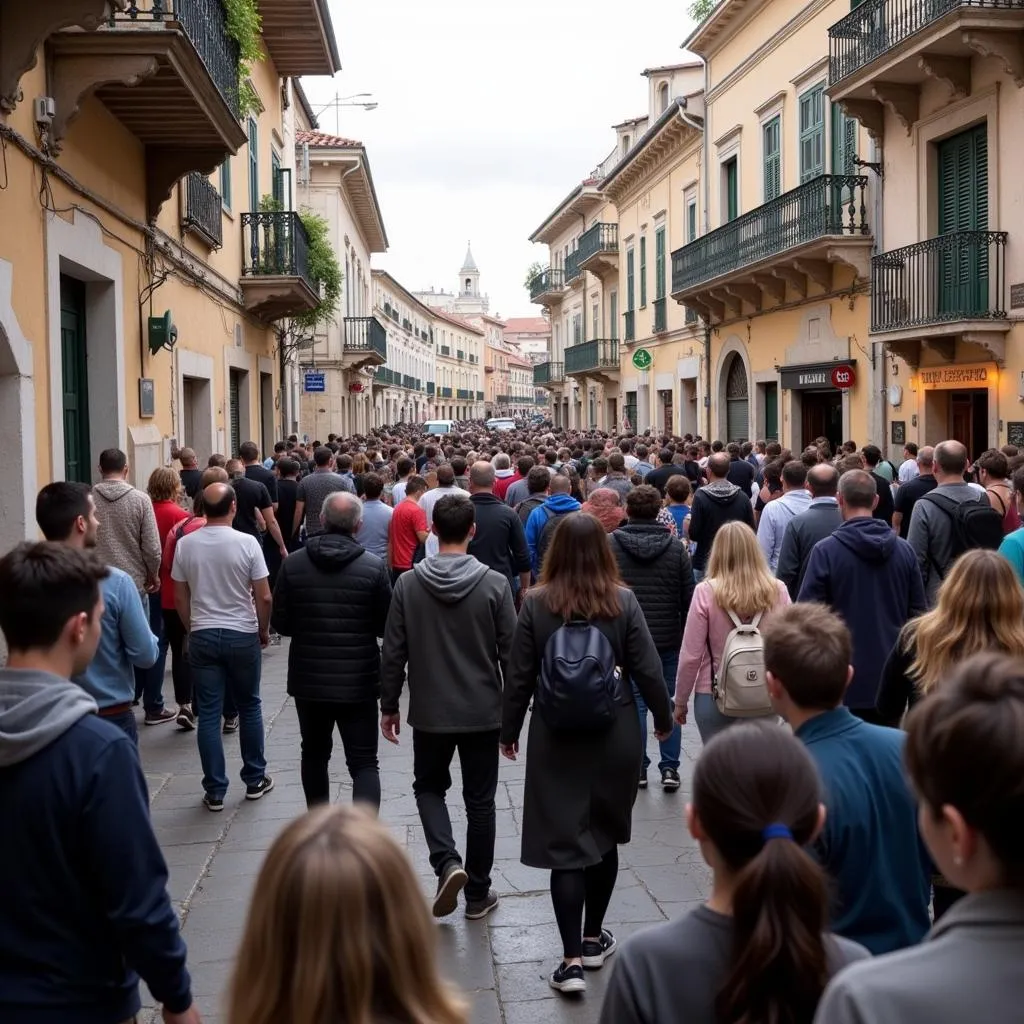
x: 642, y: 359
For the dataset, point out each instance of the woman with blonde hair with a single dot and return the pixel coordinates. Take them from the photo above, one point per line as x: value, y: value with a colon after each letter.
x: 738, y: 588
x: 338, y: 931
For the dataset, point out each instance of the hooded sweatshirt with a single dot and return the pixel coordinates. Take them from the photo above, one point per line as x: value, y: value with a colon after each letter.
x: 84, y: 895
x: 464, y: 618
x: 128, y: 536
x: 553, y: 508
x: 871, y: 578
x: 714, y: 505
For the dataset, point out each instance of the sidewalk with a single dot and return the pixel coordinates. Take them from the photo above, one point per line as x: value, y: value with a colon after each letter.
x: 501, y: 962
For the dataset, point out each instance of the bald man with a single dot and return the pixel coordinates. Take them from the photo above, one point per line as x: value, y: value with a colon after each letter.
x: 499, y: 541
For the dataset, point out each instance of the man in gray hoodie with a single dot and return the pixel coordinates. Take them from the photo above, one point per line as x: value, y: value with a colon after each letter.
x: 464, y: 618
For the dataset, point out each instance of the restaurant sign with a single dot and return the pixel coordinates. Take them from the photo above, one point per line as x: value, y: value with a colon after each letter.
x: 816, y: 376
x: 968, y: 375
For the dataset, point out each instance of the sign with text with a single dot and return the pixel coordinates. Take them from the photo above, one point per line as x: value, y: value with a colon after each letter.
x: 1017, y: 296
x: 642, y: 359
x: 820, y: 376
x: 843, y: 377
x: 314, y: 382
x: 969, y: 375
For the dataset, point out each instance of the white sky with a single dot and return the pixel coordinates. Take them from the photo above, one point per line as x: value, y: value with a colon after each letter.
x: 489, y: 114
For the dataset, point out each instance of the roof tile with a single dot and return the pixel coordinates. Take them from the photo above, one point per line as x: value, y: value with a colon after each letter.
x: 322, y: 140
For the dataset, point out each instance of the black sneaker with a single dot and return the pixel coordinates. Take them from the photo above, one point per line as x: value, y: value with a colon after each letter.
x: 265, y: 785
x: 231, y: 724
x: 475, y: 909
x: 643, y: 780
x: 161, y: 717
x: 596, y: 951
x: 669, y: 779
x: 568, y: 979
x: 213, y: 803
x: 449, y: 885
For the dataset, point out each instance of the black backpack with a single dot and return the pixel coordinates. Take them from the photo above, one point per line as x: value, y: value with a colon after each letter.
x: 976, y: 524
x: 579, y: 686
x: 547, y: 533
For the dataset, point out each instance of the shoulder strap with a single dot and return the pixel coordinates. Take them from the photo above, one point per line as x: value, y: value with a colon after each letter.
x: 180, y: 531
x: 735, y: 619
x: 756, y: 620
x: 1002, y: 504
x: 941, y: 501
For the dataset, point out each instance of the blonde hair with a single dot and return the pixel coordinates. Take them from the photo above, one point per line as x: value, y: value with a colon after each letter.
x: 738, y: 572
x: 980, y: 608
x: 164, y: 484
x: 338, y: 931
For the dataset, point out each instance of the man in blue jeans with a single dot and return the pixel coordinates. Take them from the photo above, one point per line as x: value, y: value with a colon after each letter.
x: 657, y: 568
x: 217, y: 573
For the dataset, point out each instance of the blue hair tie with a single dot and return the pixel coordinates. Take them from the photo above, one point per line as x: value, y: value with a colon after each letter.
x: 776, y: 831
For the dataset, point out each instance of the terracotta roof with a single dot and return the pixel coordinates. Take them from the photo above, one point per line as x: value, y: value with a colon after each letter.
x: 527, y: 325
x: 458, y: 321
x: 321, y: 140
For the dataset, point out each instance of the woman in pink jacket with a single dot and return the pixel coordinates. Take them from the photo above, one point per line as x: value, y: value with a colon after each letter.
x: 739, y: 581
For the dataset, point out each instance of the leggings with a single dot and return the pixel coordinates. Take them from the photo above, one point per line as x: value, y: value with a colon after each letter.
x: 576, y: 889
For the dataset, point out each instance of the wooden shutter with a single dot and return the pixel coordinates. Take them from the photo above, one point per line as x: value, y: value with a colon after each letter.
x: 233, y: 412
x: 659, y: 263
x: 812, y: 133
x: 732, y: 199
x: 772, y: 159
x: 629, y: 280
x: 613, y: 314
x: 643, y: 272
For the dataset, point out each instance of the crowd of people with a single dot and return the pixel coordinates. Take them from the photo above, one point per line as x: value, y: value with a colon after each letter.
x: 847, y: 634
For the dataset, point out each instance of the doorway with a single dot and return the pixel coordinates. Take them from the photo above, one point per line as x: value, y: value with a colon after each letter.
x: 821, y: 416
x: 666, y: 412
x: 968, y: 419
x: 74, y: 377
x: 196, y: 414
x: 236, y: 394
x: 267, y: 431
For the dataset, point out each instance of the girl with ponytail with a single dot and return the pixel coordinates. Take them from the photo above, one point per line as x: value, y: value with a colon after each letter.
x: 757, y: 952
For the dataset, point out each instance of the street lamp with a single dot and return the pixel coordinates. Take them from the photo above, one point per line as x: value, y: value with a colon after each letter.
x: 364, y: 100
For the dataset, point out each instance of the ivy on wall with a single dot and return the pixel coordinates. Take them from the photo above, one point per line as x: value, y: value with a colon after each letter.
x: 245, y: 27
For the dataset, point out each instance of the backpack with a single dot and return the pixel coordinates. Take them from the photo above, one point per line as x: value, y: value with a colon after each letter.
x: 527, y: 505
x: 547, y: 533
x: 975, y: 524
x: 579, y: 685
x: 739, y: 684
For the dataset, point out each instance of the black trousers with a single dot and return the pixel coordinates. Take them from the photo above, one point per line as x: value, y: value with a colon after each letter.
x: 357, y: 724
x: 181, y: 670
x: 580, y: 897
x: 478, y: 757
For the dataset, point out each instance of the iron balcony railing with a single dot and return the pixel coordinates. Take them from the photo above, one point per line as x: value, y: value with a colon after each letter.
x: 385, y: 377
x: 205, y: 24
x: 366, y: 334
x: 203, y: 210
x: 572, y: 266
x: 549, y: 280
x: 445, y: 350
x: 409, y: 382
x: 831, y: 204
x: 599, y: 238
x: 459, y: 354
x: 276, y: 245
x: 430, y: 388
x: 660, y: 316
x: 445, y: 392
x: 479, y: 396
x: 548, y: 373
x: 958, y: 276
x: 473, y: 358
x: 600, y: 353
x: 629, y: 332
x: 464, y: 394
x: 407, y: 325
x: 503, y: 399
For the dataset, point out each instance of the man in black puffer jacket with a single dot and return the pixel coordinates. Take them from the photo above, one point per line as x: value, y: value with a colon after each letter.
x: 657, y: 568
x: 332, y: 598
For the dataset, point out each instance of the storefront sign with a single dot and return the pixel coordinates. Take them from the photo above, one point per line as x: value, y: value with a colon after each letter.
x: 843, y: 377
x: 971, y: 375
x: 313, y: 382
x: 1015, y: 433
x: 899, y: 432
x: 1017, y: 296
x: 819, y: 376
x: 642, y: 359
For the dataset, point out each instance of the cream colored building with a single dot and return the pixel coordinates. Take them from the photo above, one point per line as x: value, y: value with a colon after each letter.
x: 521, y: 401
x: 459, y: 351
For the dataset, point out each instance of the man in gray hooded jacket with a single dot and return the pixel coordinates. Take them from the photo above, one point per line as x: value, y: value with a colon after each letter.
x: 464, y: 618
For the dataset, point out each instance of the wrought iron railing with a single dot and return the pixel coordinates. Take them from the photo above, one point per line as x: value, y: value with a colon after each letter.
x: 276, y: 245
x: 479, y: 396
x: 548, y: 373
x: 831, y: 204
x: 445, y: 350
x: 598, y: 238
x: 366, y: 334
x: 205, y: 24
x: 549, y: 280
x: 503, y: 399
x: 464, y: 394
x: 407, y: 324
x: 203, y: 210
x: 958, y: 276
x: 408, y: 381
x: 445, y: 392
x: 430, y: 388
x: 572, y: 266
x: 660, y: 317
x: 599, y: 353
x: 385, y: 377
x: 459, y: 354
x: 629, y: 331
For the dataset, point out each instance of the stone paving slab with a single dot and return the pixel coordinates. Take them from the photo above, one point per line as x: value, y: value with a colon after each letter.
x: 501, y: 963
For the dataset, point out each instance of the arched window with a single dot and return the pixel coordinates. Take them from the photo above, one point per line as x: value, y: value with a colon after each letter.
x: 737, y: 401
x: 663, y: 96
x: 469, y: 284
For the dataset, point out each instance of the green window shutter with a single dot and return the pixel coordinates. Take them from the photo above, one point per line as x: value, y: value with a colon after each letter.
x: 963, y: 181
x: 254, y: 166
x: 613, y: 314
x: 659, y: 263
x: 276, y: 180
x: 812, y: 133
x: 225, y: 184
x: 732, y: 197
x: 691, y: 221
x: 630, y: 280
x: 771, y: 135
x: 643, y: 272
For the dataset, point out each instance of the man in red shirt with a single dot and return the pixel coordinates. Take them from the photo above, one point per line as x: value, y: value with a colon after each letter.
x: 408, y: 528
x: 504, y: 475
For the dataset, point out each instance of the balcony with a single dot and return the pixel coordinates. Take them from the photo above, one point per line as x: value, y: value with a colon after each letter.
x: 409, y: 382
x: 203, y: 211
x: 546, y: 287
x: 629, y: 333
x: 407, y: 325
x: 464, y: 395
x: 444, y: 392
x: 459, y: 354
x: 548, y: 374
x: 444, y: 350
x: 882, y: 52
x: 430, y: 389
x: 573, y: 271
x: 275, y: 266
x: 599, y: 249
x: 598, y: 358
x: 299, y: 37
x: 503, y: 399
x: 168, y: 71
x: 488, y: 368
x: 660, y: 325
x: 778, y: 249
x: 365, y: 342
x: 939, y: 291
x: 385, y: 377
x: 479, y: 396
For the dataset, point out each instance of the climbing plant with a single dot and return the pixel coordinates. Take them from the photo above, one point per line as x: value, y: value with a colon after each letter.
x: 324, y: 269
x: 700, y: 9
x: 245, y: 28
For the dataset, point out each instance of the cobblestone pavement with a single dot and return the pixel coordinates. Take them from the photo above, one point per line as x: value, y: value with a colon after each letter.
x: 501, y: 963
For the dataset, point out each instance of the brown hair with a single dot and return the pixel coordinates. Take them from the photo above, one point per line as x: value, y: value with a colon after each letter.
x: 164, y: 484
x: 963, y: 749
x: 338, y: 931
x: 677, y: 487
x: 748, y: 778
x: 580, y: 577
x: 807, y: 649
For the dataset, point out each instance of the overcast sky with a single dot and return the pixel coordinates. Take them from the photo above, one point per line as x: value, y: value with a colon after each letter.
x: 490, y: 113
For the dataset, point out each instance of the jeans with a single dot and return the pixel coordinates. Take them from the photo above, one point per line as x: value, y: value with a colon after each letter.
x: 126, y: 722
x: 711, y: 721
x: 357, y: 724
x: 225, y: 661
x: 432, y: 754
x: 149, y: 682
x: 699, y: 574
x: 670, y: 747
x: 181, y: 671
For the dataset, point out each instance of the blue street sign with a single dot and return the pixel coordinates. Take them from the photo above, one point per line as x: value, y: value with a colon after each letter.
x: 312, y: 381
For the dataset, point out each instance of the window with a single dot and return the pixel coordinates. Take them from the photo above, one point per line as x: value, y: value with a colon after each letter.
x: 613, y: 314
x: 277, y: 181
x: 254, y: 166
x: 643, y: 272
x: 595, y: 318
x: 730, y: 190
x: 771, y: 133
x: 625, y: 145
x: 225, y: 184
x: 577, y: 328
x: 663, y: 97
x: 844, y: 142
x: 812, y: 133
x: 629, y: 280
x: 691, y: 220
x: 659, y: 263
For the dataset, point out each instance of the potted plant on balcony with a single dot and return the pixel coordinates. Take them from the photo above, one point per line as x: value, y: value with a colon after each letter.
x: 245, y: 26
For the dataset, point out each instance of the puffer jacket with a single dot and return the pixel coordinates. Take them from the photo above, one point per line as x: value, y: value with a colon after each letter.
x: 657, y: 568
x: 332, y: 599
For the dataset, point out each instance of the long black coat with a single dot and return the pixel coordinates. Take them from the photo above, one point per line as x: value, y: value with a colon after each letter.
x: 580, y: 787
x: 332, y: 599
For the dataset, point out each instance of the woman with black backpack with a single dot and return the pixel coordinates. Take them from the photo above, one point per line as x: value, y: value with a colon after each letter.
x: 580, y: 632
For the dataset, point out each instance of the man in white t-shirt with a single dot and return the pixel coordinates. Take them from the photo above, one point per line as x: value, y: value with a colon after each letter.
x: 909, y: 470
x: 217, y: 573
x: 445, y: 485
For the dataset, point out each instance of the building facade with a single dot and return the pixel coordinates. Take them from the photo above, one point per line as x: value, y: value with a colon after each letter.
x: 459, y: 351
x: 466, y: 300
x: 141, y: 271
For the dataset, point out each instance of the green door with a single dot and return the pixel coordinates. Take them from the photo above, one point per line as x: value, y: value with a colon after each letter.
x: 771, y: 412
x: 75, y: 381
x: 963, y: 207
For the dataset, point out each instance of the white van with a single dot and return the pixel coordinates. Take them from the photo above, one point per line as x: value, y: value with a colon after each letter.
x: 439, y: 427
x: 501, y: 423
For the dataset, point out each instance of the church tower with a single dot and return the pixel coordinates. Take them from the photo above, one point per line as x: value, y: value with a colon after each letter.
x: 469, y: 276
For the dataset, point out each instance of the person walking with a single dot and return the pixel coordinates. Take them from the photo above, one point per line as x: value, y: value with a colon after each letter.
x: 504, y: 475
x: 756, y: 950
x: 1012, y: 545
x: 993, y: 469
x: 869, y: 576
x: 910, y: 468
x: 738, y: 589
x: 778, y: 514
x: 881, y: 472
x: 223, y: 599
x: 911, y: 491
x: 538, y: 482
x: 716, y: 503
x: 544, y: 519
x: 255, y: 513
x: 313, y: 488
x: 580, y: 784
x: 249, y: 453
x: 518, y: 489
x: 656, y: 567
x: 499, y: 540
x: 84, y: 890
x: 408, y: 528
x: 821, y: 519
x: 450, y: 627
x: 869, y: 844
x: 190, y: 472
x: 664, y: 468
x: 332, y: 599
x: 445, y: 485
x: 376, y: 523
